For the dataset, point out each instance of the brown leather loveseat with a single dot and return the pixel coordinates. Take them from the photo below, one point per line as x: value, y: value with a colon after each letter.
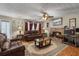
x: 31, y: 35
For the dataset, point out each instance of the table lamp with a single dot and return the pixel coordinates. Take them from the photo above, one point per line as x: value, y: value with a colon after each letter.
x: 19, y: 29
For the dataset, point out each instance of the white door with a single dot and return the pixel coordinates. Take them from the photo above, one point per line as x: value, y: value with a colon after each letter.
x: 5, y: 28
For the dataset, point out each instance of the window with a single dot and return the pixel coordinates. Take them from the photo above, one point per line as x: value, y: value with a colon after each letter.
x: 5, y: 28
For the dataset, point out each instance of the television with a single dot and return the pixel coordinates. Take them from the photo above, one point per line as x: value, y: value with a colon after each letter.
x: 77, y: 29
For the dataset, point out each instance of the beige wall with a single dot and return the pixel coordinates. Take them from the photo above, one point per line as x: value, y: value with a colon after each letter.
x: 15, y: 22
x: 66, y: 21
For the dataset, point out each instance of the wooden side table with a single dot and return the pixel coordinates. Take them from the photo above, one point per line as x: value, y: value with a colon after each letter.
x: 17, y: 39
x: 20, y: 37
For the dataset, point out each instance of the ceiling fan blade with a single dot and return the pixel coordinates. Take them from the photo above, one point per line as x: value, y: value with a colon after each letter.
x: 50, y: 16
x: 45, y: 15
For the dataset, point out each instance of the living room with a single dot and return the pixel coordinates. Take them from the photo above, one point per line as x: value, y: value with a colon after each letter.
x: 39, y: 29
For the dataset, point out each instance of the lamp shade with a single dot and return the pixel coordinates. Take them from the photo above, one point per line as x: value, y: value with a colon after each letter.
x: 19, y: 28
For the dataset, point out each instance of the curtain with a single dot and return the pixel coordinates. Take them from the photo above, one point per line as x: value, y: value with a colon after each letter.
x: 35, y: 24
x: 37, y: 28
x: 33, y: 27
x: 28, y: 26
x: 40, y: 27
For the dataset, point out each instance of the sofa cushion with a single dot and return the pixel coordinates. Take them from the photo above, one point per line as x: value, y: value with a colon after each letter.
x: 14, y: 44
x: 1, y: 41
x: 6, y: 45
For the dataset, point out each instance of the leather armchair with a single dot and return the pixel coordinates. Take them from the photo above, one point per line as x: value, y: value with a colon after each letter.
x: 10, y: 48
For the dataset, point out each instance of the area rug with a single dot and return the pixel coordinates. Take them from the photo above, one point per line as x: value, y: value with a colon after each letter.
x: 36, y: 51
x: 52, y: 50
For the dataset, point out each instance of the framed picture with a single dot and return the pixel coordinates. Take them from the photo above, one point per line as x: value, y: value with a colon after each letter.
x: 57, y: 22
x: 72, y: 23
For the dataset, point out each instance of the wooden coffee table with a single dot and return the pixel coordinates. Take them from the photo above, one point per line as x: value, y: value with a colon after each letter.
x: 43, y: 42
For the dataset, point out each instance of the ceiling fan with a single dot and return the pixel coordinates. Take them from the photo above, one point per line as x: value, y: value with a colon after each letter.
x: 46, y: 16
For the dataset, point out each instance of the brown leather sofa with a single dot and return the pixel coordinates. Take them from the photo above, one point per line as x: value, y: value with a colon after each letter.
x: 31, y: 35
x: 15, y: 51
x: 8, y: 48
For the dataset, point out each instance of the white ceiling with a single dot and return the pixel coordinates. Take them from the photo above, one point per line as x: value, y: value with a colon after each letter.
x: 32, y: 10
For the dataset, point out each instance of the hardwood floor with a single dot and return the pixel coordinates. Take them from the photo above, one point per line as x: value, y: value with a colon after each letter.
x: 70, y: 51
